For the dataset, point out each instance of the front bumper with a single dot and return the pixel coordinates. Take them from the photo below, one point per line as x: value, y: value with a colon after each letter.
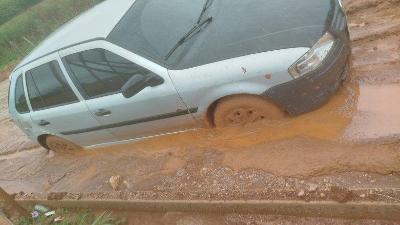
x: 312, y: 90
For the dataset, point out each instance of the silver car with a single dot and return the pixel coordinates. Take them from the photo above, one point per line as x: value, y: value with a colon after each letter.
x: 131, y: 69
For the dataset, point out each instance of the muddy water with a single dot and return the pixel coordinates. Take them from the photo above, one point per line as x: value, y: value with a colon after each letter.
x: 310, y: 157
x: 327, y: 123
x: 143, y: 169
x: 378, y: 113
x: 146, y: 162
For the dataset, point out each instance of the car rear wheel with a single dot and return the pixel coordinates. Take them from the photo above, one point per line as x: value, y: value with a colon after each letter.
x: 245, y: 109
x: 60, y: 145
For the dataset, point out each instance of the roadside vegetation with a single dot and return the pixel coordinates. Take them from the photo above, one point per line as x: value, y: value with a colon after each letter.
x: 10, y: 8
x: 73, y: 217
x: 6, y: 71
x: 19, y: 35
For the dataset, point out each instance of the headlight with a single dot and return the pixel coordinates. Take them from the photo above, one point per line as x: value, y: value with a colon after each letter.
x: 314, y: 57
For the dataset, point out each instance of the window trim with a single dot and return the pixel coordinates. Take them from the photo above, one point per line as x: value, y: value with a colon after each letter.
x: 28, y: 73
x: 21, y: 76
x: 55, y: 51
x: 147, y: 64
x: 78, y: 85
x: 74, y: 79
x: 9, y: 97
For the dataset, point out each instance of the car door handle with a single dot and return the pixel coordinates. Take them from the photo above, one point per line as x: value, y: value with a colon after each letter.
x: 103, y: 112
x: 44, y: 123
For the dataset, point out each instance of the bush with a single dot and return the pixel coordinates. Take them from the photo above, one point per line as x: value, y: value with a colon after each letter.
x: 21, y: 34
x: 10, y: 8
x: 74, y: 217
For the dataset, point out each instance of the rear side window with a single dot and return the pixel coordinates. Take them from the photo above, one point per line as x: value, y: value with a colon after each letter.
x: 98, y: 72
x: 47, y: 87
x: 20, y: 100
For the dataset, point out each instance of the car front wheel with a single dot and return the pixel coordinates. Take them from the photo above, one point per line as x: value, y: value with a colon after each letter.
x: 245, y: 109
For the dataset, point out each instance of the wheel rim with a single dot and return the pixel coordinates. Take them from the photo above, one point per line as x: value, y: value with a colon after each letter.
x: 244, y: 115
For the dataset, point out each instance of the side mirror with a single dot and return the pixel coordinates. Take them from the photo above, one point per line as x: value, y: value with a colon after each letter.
x: 139, y: 82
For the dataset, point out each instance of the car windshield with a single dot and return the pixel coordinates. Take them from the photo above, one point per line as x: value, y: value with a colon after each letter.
x: 151, y: 28
x: 195, y: 30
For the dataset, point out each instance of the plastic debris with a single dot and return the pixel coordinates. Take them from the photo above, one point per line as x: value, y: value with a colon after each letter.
x: 41, y: 208
x: 35, y: 214
x: 58, y: 219
x: 115, y: 182
x: 51, y: 213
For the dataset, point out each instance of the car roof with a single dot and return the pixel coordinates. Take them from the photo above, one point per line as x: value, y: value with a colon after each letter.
x: 95, y: 23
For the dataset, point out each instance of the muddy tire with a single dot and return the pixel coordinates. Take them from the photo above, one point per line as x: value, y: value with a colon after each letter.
x: 60, y: 145
x: 245, y: 109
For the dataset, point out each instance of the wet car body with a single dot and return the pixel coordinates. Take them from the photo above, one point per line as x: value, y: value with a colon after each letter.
x: 248, y: 47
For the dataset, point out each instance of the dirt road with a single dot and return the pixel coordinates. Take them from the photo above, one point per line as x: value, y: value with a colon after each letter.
x: 352, y: 143
x: 235, y: 219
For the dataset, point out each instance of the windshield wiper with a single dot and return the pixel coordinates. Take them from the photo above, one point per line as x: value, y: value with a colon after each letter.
x: 196, y: 28
x: 206, y: 5
x: 188, y: 35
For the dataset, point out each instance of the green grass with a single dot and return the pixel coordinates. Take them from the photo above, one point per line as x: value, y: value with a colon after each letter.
x: 73, y: 217
x: 22, y: 33
x: 10, y: 8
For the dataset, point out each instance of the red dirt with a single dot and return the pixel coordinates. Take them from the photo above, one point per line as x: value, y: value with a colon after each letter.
x: 351, y: 142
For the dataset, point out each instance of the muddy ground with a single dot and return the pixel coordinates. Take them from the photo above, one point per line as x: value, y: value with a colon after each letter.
x: 235, y: 219
x: 347, y: 150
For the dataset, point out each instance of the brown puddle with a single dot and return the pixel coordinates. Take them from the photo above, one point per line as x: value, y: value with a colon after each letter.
x: 327, y: 123
x: 310, y: 158
x: 305, y: 146
x: 378, y: 113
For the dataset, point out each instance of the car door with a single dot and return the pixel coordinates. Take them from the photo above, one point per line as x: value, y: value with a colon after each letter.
x: 101, y: 69
x: 56, y: 107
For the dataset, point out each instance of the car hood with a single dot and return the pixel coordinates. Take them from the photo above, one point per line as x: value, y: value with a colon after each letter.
x: 239, y: 28
x: 252, y: 26
x: 276, y: 23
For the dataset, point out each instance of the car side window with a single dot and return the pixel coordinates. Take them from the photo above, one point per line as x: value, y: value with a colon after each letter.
x: 98, y: 72
x: 20, y: 100
x: 47, y: 87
